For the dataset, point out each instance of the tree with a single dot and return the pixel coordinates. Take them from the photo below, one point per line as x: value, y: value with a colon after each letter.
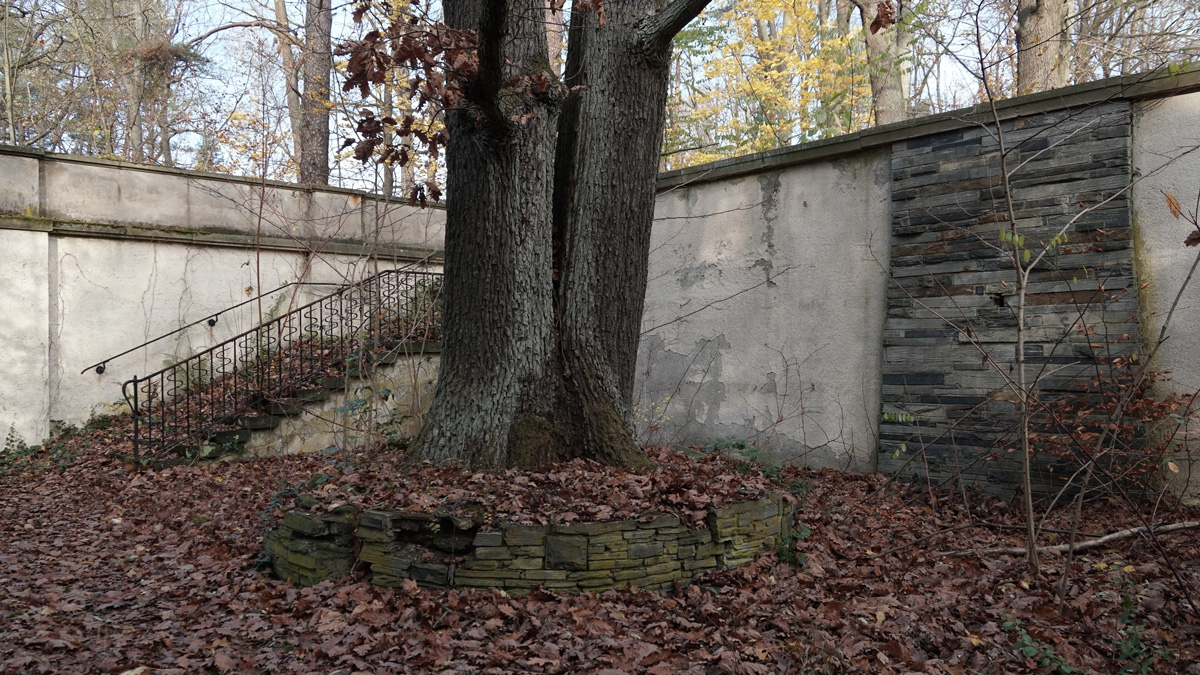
x: 887, y: 37
x: 95, y: 78
x: 1043, y: 45
x: 755, y: 76
x: 314, y: 107
x: 552, y: 187
x: 1121, y: 37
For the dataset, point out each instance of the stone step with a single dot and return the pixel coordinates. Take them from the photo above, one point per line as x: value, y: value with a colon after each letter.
x: 286, y: 408
x: 257, y: 423
x: 230, y: 436
x: 312, y: 395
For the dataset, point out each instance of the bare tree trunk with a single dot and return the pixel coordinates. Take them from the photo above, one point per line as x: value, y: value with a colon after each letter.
x: 555, y: 30
x: 130, y: 75
x: 165, y: 132
x: 9, y: 88
x: 1043, y: 45
x: 609, y: 143
x: 887, y: 63
x: 314, y: 122
x: 845, y: 10
x: 386, y: 109
x: 494, y: 389
x: 290, y: 74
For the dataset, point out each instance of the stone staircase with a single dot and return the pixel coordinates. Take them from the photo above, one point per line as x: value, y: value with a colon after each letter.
x: 354, y: 366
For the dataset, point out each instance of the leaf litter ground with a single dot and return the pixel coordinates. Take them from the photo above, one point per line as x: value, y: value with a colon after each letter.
x: 103, y: 569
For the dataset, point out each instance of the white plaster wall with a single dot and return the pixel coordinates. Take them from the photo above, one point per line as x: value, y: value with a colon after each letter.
x: 764, y: 312
x: 71, y: 301
x: 24, y: 344
x: 1166, y: 152
x: 113, y: 295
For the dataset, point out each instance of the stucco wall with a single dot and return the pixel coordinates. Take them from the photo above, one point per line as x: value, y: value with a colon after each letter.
x: 764, y: 312
x: 1166, y: 153
x: 24, y: 343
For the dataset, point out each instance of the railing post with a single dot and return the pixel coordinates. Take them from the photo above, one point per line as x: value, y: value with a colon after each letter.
x: 137, y: 459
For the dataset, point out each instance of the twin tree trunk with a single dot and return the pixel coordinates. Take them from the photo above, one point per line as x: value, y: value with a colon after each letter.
x: 550, y: 204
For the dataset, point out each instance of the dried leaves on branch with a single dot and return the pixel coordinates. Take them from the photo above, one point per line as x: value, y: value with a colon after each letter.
x: 107, y: 570
x: 436, y: 59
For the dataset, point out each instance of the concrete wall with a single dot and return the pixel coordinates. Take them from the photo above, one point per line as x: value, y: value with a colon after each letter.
x: 1165, y: 153
x: 97, y: 257
x: 24, y: 341
x: 764, y: 312
x: 98, y: 197
x: 768, y: 289
x: 795, y: 364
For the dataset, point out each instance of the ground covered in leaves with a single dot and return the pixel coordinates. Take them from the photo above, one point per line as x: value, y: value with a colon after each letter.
x: 104, y: 569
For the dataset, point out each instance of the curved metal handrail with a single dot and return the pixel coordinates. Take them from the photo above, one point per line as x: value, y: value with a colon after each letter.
x: 211, y: 320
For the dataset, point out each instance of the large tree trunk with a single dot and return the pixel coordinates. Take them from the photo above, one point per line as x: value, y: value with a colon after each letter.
x: 609, y: 144
x: 542, y: 322
x: 495, y: 385
x: 314, y: 122
x: 1043, y: 45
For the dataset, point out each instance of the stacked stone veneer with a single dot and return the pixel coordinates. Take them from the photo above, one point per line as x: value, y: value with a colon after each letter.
x: 437, y: 551
x: 951, y: 295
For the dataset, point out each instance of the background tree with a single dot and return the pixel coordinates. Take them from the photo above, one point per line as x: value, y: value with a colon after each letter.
x: 315, y: 102
x: 1043, y: 45
x: 888, y: 40
x: 95, y: 77
x: 752, y: 76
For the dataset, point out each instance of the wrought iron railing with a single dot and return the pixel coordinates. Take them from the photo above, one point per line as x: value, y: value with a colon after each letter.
x: 259, y: 372
x: 211, y: 320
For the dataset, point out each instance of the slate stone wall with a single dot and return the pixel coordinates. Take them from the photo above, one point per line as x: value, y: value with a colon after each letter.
x: 950, y: 332
x: 436, y: 551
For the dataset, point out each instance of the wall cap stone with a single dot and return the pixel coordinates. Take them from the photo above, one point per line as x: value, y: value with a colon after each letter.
x: 1159, y: 84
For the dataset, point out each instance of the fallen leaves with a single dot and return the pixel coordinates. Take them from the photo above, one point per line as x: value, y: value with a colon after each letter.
x: 106, y: 571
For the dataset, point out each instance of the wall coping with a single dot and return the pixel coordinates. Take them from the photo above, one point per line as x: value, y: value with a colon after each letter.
x: 1158, y: 84
x: 24, y: 151
x: 222, y: 239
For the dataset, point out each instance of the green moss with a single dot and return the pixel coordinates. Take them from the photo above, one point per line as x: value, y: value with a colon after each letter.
x: 533, y: 442
x: 613, y: 443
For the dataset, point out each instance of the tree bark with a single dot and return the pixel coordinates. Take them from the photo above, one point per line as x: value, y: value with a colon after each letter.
x: 1043, y: 45
x: 609, y: 143
x: 314, y: 122
x: 548, y: 236
x: 495, y: 389
x: 283, y: 33
x: 887, y: 55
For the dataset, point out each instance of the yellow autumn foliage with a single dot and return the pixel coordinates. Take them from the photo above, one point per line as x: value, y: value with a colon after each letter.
x: 759, y: 75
